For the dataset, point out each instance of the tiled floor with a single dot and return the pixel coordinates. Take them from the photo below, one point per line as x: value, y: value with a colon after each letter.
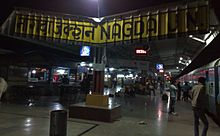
x: 141, y: 116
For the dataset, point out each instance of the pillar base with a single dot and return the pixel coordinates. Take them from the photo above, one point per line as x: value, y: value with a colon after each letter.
x: 97, y: 100
x: 96, y: 113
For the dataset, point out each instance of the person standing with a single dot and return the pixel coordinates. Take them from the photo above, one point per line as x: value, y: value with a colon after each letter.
x: 186, y: 89
x: 3, y: 87
x: 151, y: 87
x: 65, y: 80
x: 85, y: 85
x: 199, y: 103
x: 179, y: 91
x: 161, y: 87
x: 64, y: 86
x: 173, y: 89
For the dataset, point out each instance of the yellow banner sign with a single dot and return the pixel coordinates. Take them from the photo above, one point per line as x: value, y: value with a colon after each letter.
x: 146, y: 26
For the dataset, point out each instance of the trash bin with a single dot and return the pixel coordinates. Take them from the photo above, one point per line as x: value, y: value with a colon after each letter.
x: 58, y: 123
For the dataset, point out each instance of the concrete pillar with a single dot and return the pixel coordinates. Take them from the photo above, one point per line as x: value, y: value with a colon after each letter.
x: 99, y: 70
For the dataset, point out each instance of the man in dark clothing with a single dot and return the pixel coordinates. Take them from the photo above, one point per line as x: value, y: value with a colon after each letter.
x: 64, y: 87
x: 161, y: 87
x: 186, y: 89
x: 65, y: 80
x: 179, y: 91
x: 85, y: 85
x: 199, y: 102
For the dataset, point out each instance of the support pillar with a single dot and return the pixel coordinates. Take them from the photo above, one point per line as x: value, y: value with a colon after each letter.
x: 99, y: 70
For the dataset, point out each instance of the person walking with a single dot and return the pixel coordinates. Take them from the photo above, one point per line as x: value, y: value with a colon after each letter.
x: 199, y: 103
x: 173, y: 90
x: 151, y: 87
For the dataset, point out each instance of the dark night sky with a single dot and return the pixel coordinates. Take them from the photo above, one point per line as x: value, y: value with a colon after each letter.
x: 83, y: 7
x: 79, y: 7
x: 87, y: 7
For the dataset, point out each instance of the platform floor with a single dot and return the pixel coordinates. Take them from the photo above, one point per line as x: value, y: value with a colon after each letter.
x: 141, y: 116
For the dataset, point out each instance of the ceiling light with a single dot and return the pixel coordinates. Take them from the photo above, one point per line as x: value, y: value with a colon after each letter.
x: 98, y: 19
x: 197, y: 39
x: 34, y: 71
x: 111, y: 69
x: 190, y: 61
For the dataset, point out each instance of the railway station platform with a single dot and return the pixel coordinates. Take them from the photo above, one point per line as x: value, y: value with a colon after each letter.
x: 142, y: 115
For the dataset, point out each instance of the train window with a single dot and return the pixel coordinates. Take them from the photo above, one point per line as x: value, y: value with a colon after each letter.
x: 210, y: 82
x: 211, y: 74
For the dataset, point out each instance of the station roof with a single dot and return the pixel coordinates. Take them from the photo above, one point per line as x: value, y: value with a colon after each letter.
x: 161, y: 51
x: 205, y: 56
x: 21, y: 51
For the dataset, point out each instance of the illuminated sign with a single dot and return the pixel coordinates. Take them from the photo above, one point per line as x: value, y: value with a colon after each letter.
x: 85, y: 51
x: 159, y: 66
x: 139, y: 51
x: 115, y: 30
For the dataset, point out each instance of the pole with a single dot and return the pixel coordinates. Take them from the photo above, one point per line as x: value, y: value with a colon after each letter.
x: 58, y: 123
x: 98, y: 9
x: 99, y: 65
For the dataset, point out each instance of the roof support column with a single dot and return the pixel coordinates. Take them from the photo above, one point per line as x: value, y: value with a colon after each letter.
x: 99, y: 70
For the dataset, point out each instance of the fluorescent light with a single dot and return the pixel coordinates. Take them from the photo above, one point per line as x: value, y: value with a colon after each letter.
x: 98, y: 19
x: 34, y: 71
x: 190, y: 61
x: 120, y: 75
x: 207, y: 35
x: 82, y: 64
x: 90, y: 64
x: 197, y: 39
x: 111, y: 69
x: 212, y: 37
x: 61, y: 71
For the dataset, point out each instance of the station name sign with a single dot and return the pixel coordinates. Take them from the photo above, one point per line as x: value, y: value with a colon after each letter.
x: 145, y: 26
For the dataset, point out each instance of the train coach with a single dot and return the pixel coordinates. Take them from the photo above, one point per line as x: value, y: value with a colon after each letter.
x: 211, y: 72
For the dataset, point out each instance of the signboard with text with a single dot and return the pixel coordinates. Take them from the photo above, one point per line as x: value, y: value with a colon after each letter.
x: 148, y: 25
